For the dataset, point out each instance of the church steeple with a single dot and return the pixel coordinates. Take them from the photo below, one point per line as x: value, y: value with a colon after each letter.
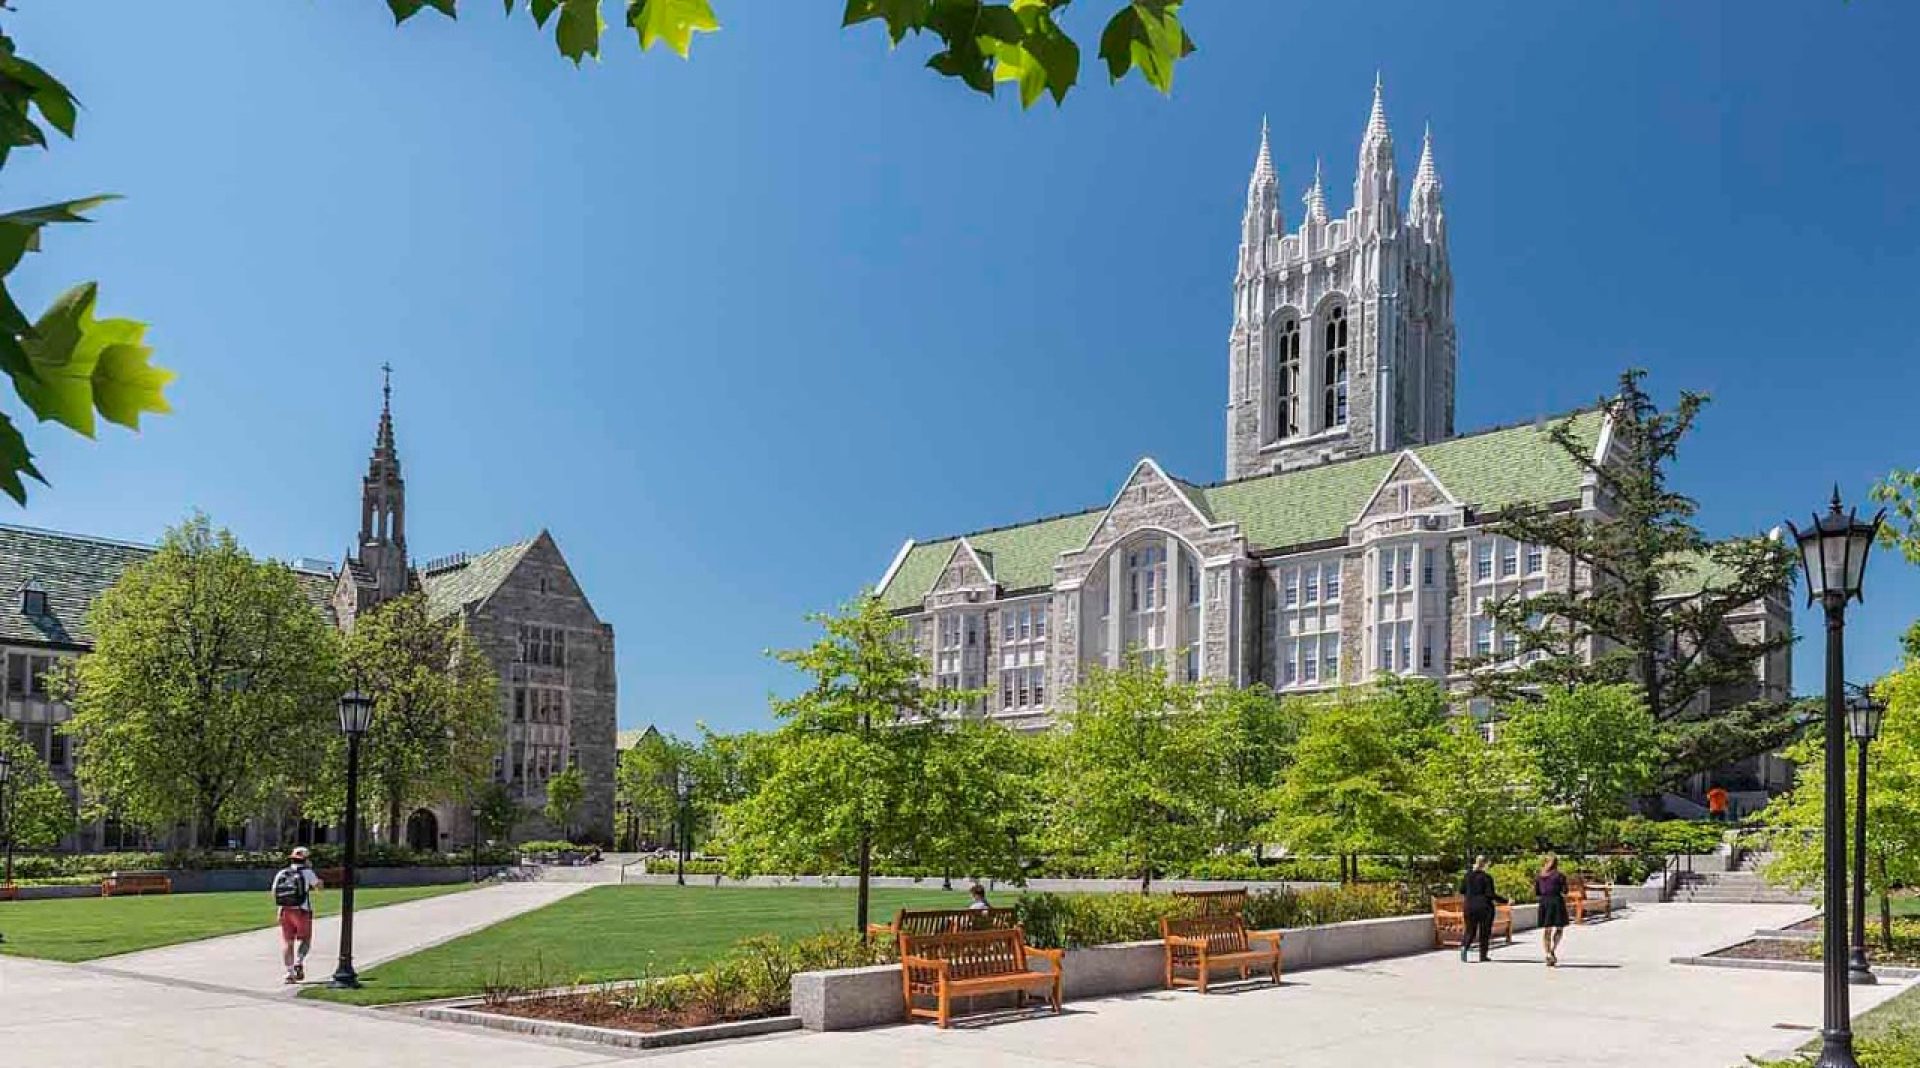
x: 1262, y: 218
x: 1423, y: 205
x: 382, y: 551
x: 1376, y: 189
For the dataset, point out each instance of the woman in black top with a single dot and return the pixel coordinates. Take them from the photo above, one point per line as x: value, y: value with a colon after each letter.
x: 1551, y: 887
x: 1479, y: 899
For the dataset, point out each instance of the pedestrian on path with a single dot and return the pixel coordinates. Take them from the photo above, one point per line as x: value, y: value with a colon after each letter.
x: 1479, y: 896
x: 1550, y: 886
x: 293, y: 888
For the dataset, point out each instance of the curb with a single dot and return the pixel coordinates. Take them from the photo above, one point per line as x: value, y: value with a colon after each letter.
x: 1888, y: 971
x: 609, y: 1036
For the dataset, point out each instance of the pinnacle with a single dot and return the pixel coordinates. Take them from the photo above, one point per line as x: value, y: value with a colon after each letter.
x: 1316, y: 197
x: 1426, y: 174
x: 1263, y: 160
x: 1377, y: 118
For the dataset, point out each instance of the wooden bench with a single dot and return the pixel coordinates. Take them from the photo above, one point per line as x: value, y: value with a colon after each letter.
x: 9, y: 892
x: 1583, y: 894
x: 1200, y: 944
x: 120, y: 883
x: 1231, y: 902
x: 950, y: 964
x: 1450, y: 921
x: 334, y: 878
x: 936, y: 921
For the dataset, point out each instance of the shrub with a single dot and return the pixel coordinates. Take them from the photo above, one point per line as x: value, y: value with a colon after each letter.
x: 1074, y: 920
x: 1662, y: 838
x: 550, y: 845
x: 755, y: 977
x: 79, y: 867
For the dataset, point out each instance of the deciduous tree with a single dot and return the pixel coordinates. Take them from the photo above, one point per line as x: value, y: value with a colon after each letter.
x: 1594, y: 747
x: 1351, y: 789
x: 1482, y: 794
x: 210, y: 688
x: 975, y: 809
x: 645, y: 784
x: 565, y: 791
x: 37, y: 813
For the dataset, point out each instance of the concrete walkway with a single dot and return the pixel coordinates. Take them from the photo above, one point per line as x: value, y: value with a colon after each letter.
x: 251, y: 961
x: 1615, y: 1001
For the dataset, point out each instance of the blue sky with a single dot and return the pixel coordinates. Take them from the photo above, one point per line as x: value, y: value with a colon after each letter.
x: 733, y: 328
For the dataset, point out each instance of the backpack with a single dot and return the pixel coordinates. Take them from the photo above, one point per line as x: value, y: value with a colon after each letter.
x: 290, y: 888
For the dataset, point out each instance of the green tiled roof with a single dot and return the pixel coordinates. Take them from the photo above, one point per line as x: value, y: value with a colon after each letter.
x: 72, y: 569
x: 624, y: 740
x: 1489, y: 471
x: 451, y: 589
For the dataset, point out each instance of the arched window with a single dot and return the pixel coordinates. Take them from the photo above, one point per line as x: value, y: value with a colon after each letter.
x: 1146, y: 604
x: 1286, y: 361
x: 1333, y: 411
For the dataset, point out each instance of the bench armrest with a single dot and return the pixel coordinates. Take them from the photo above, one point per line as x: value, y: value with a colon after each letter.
x: 938, y: 967
x: 1183, y: 940
x: 1275, y: 936
x: 879, y: 928
x: 1052, y: 956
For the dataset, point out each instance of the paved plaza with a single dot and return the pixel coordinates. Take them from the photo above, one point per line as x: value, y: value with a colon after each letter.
x: 1614, y: 1001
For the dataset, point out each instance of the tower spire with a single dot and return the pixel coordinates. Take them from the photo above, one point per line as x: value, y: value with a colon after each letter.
x: 1423, y: 204
x: 1263, y: 160
x: 1375, y: 186
x: 1263, y: 200
x: 1316, y: 198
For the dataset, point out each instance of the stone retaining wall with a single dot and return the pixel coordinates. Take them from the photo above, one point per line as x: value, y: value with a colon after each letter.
x: 852, y: 998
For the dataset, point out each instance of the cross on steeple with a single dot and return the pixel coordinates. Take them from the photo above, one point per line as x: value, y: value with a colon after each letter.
x: 386, y: 384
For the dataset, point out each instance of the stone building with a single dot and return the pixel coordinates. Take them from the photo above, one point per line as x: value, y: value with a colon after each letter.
x: 521, y: 602
x: 1350, y: 539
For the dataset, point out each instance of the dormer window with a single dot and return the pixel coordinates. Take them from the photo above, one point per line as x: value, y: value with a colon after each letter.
x: 33, y: 600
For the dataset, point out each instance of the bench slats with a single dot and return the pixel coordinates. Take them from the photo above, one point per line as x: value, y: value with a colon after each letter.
x: 947, y: 963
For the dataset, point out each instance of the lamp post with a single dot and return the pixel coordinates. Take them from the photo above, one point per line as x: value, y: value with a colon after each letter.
x: 473, y: 860
x: 1833, y: 551
x: 1864, y: 713
x: 6, y: 811
x: 682, y: 787
x: 356, y: 714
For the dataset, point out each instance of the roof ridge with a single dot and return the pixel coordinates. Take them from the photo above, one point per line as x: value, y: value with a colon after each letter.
x: 97, y: 539
x: 1011, y: 526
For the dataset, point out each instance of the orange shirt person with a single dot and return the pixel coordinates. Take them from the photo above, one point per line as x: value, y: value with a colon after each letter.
x: 1717, y: 803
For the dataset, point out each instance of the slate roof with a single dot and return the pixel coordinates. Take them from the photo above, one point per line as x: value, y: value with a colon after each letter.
x: 73, y: 569
x: 451, y: 589
x: 1489, y: 471
x: 625, y: 740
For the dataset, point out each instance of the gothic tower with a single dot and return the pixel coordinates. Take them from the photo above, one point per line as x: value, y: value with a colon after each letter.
x: 377, y: 570
x: 1343, y: 340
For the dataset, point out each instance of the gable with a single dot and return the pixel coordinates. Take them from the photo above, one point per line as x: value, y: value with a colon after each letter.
x: 1408, y: 488
x: 966, y: 570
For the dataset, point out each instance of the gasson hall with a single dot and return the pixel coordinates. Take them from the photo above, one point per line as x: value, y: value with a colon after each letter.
x: 1349, y: 539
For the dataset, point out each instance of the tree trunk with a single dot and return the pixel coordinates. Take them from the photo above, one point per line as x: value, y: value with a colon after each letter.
x: 1886, y: 905
x: 393, y: 819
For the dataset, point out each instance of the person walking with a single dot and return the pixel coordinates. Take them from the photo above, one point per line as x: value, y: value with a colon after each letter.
x: 293, y: 888
x: 1550, y: 886
x: 1478, y: 907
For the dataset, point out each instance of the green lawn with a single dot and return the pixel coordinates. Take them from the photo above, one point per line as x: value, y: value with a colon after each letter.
x: 83, y: 928
x: 618, y: 932
x: 1902, y: 905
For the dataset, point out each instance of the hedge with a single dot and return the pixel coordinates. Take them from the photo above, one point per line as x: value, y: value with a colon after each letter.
x: 1074, y: 920
x: 66, y: 866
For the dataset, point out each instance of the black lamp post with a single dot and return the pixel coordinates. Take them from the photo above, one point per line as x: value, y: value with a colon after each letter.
x: 356, y: 714
x: 473, y: 862
x: 682, y: 787
x: 6, y: 810
x: 1864, y: 713
x: 1833, y: 552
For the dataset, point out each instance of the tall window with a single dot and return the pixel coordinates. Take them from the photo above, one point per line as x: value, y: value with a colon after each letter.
x: 1334, y: 367
x: 1023, y: 656
x: 1286, y: 410
x: 1146, y: 601
x: 1304, y: 619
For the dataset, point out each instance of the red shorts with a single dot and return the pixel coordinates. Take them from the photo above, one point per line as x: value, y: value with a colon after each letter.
x: 296, y: 925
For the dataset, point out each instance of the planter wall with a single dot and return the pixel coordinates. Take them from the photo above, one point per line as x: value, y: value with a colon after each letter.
x: 201, y: 881
x: 852, y: 998
x: 1058, y: 886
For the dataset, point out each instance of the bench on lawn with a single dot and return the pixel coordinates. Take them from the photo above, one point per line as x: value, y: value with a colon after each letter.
x: 1583, y: 893
x: 950, y: 964
x: 1230, y: 902
x: 9, y: 892
x: 334, y: 878
x: 936, y: 921
x: 135, y: 882
x: 1200, y: 944
x: 1450, y: 921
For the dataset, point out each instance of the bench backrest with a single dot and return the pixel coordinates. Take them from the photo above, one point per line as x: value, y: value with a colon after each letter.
x: 1231, y: 902
x: 971, y: 954
x: 1449, y: 904
x: 1223, y: 934
x: 935, y: 921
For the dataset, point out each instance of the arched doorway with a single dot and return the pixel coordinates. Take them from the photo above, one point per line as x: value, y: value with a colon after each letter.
x: 423, y: 830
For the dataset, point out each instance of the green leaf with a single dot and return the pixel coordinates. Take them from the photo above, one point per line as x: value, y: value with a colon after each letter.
x: 1040, y: 58
x: 406, y: 9
x: 55, y: 102
x: 579, y: 29
x: 1146, y: 35
x: 542, y: 10
x: 15, y: 460
x: 956, y: 22
x: 901, y: 16
x: 672, y: 21
x: 80, y: 363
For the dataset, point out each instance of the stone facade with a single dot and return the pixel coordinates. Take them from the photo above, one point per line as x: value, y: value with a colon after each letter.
x: 1349, y: 547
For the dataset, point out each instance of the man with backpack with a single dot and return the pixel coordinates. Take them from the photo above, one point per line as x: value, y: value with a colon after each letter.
x: 293, y: 888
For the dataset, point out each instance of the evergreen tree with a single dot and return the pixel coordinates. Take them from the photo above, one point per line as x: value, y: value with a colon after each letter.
x: 1648, y: 597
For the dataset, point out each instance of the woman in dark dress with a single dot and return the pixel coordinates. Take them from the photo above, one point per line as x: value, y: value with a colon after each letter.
x: 1551, y: 887
x: 1479, y: 898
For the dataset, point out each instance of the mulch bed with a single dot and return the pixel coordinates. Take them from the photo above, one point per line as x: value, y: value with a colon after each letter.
x: 1905, y: 952
x: 1811, y: 923
x: 597, y: 1010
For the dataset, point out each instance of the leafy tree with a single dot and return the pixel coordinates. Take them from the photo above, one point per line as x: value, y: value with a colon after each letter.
x: 981, y: 44
x: 37, y: 813
x: 500, y: 811
x: 65, y: 366
x: 975, y: 806
x: 436, y: 713
x: 646, y: 784
x: 1352, y: 788
x: 1893, y: 803
x: 1257, y: 733
x: 565, y: 791
x: 1594, y: 748
x: 1134, y: 779
x: 842, y: 770
x: 211, y: 686
x: 1481, y: 794
x: 1650, y: 596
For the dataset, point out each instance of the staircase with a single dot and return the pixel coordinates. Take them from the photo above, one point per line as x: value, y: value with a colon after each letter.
x: 1742, y: 886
